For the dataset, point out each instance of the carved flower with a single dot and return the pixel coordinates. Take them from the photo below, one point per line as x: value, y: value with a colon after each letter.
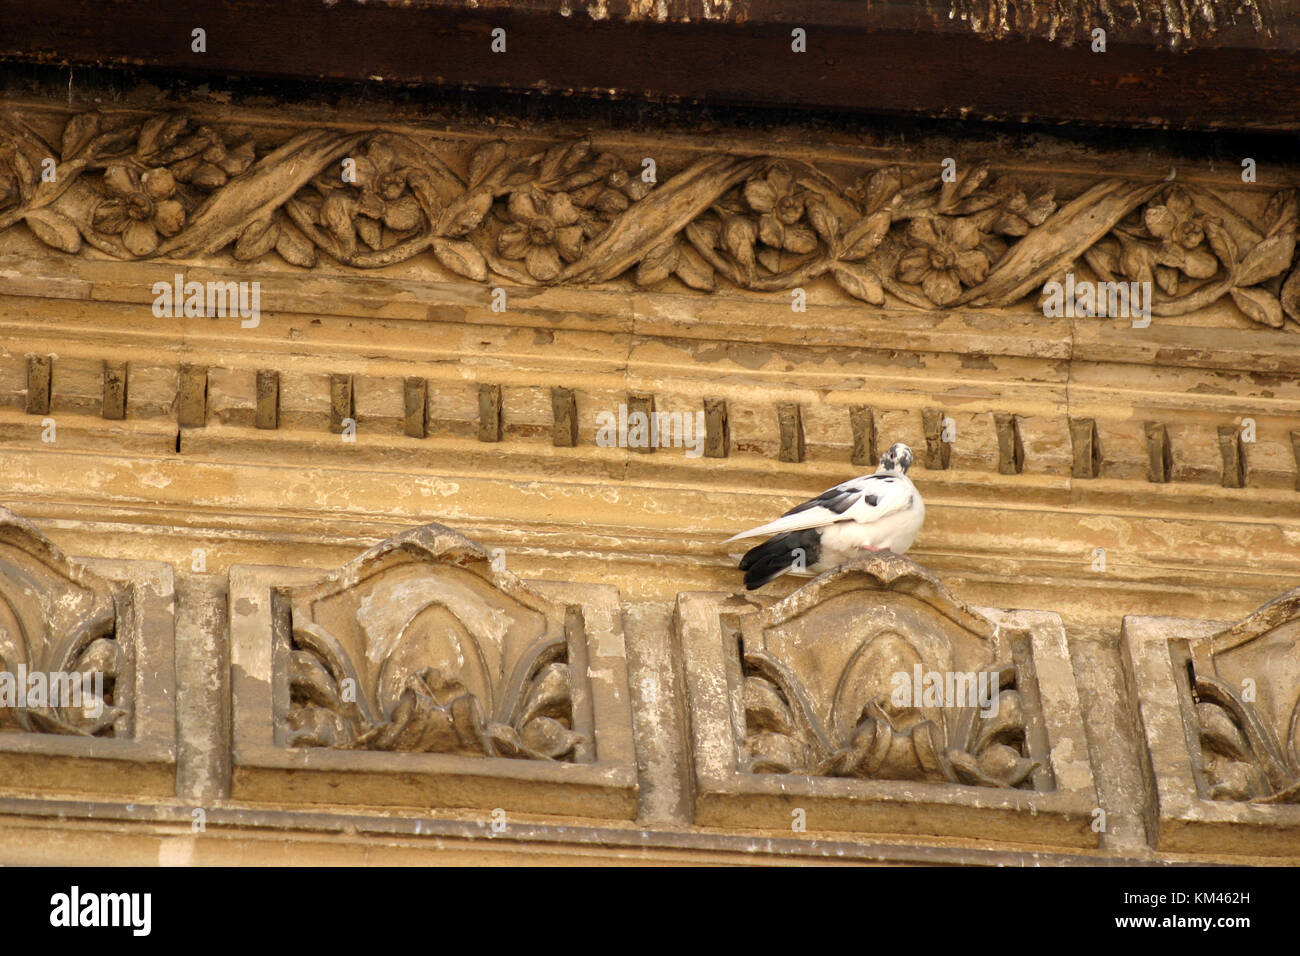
x: 944, y: 255
x: 1181, y: 234
x: 1020, y: 213
x: 139, y: 207
x: 781, y: 206
x: 545, y: 228
x: 612, y: 190
x: 383, y: 185
x: 200, y: 158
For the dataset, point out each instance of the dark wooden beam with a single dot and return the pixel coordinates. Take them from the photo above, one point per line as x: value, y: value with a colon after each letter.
x: 899, y: 57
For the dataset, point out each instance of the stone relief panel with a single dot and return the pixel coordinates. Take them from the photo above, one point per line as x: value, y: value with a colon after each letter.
x: 85, y: 669
x: 176, y: 186
x: 874, y: 700
x: 418, y: 674
x: 1220, y: 710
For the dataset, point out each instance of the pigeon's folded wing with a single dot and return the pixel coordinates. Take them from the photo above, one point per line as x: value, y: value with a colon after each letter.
x: 864, y: 500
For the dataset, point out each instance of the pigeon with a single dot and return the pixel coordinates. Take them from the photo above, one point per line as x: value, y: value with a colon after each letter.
x: 880, y: 512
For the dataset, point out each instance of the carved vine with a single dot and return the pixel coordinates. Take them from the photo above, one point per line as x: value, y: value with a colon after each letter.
x: 169, y: 186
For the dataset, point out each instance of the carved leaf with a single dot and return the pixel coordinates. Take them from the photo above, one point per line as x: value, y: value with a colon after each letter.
x: 658, y: 264
x: 823, y: 220
x: 859, y: 282
x: 703, y: 233
x: 1266, y: 260
x: 739, y: 234
x: 1291, y: 295
x: 1224, y: 246
x: 461, y: 258
x: 309, y: 679
x: 881, y: 187
x: 459, y: 218
x: 295, y: 248
x: 336, y: 215
x: 485, y: 159
x: 1219, y: 734
x: 1260, y: 306
x: 159, y: 132
x: 694, y: 271
x: 258, y: 238
x: 79, y: 131
x: 549, y: 695
x: 866, y: 234
x: 764, y: 708
x: 1282, y: 212
x: 54, y: 229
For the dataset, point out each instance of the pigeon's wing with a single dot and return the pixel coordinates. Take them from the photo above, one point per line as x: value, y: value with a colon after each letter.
x: 864, y: 500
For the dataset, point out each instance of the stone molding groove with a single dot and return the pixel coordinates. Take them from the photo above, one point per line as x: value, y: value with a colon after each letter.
x: 170, y: 186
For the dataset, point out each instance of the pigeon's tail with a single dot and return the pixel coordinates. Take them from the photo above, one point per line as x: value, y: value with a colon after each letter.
x: 775, y: 556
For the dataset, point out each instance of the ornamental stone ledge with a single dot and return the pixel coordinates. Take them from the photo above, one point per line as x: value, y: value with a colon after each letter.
x: 794, y: 712
x: 419, y: 675
x: 1220, y: 710
x: 95, y: 636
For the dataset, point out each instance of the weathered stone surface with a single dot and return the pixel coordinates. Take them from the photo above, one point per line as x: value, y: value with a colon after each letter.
x: 420, y: 675
x: 86, y: 649
x: 1220, y: 709
x: 1039, y: 498
x: 795, y: 712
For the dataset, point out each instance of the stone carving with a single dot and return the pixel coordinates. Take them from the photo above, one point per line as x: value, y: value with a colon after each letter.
x: 420, y: 645
x: 1219, y: 707
x: 62, y: 670
x: 172, y: 187
x: 1245, y: 683
x: 831, y: 691
x: 851, y: 698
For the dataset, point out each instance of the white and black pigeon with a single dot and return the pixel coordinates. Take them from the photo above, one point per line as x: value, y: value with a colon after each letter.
x: 880, y: 512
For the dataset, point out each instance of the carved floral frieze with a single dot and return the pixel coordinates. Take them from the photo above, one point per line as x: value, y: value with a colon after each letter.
x: 171, y: 186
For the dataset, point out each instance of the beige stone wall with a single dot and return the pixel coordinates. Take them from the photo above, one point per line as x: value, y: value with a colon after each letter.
x: 177, y: 468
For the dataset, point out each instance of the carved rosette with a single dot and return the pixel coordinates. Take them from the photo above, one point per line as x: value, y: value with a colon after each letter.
x: 58, y: 625
x: 419, y: 645
x: 170, y: 186
x: 876, y: 671
x: 1245, y: 688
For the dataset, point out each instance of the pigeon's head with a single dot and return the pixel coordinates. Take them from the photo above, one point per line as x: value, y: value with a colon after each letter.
x: 898, y: 458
